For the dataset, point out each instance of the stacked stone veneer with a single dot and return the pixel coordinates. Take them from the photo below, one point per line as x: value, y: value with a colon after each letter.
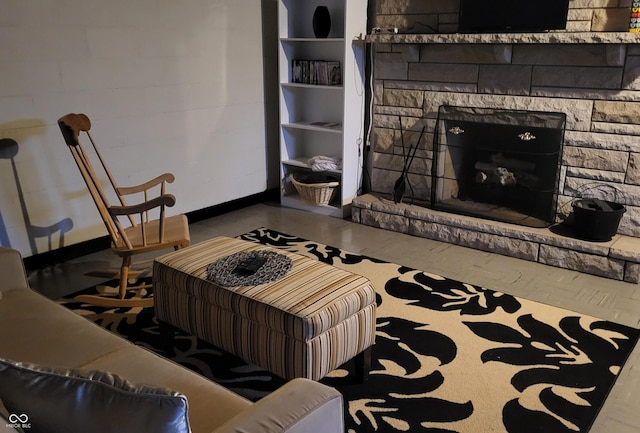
x: 425, y: 16
x: 592, y: 77
x: 596, y: 85
x: 617, y: 259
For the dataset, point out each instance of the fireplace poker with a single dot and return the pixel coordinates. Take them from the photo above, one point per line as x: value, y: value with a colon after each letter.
x: 404, y: 153
x: 401, y: 184
x: 396, y: 185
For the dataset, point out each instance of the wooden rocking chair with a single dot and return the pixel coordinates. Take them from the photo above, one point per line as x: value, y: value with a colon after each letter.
x: 139, y: 234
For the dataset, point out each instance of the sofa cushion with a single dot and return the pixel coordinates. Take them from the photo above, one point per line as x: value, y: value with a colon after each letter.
x: 210, y: 404
x: 35, y: 329
x: 66, y: 400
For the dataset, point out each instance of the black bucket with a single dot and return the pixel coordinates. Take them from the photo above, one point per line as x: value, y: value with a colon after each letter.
x: 595, y: 219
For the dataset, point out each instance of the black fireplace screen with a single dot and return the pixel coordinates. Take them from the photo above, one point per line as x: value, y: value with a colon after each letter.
x: 498, y: 164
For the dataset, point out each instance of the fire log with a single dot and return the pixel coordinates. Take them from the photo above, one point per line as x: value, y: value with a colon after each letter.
x: 515, y: 164
x: 489, y: 174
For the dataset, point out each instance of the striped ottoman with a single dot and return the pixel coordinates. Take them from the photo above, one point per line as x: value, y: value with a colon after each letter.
x: 306, y: 324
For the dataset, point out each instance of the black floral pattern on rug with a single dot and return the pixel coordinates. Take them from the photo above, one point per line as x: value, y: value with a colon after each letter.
x: 449, y: 356
x: 569, y: 358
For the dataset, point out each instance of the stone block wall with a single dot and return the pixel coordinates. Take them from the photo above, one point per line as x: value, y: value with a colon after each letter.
x: 441, y: 16
x: 597, y: 85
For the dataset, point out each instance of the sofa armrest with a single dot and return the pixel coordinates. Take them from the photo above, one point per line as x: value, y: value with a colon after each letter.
x: 12, y: 270
x: 299, y: 406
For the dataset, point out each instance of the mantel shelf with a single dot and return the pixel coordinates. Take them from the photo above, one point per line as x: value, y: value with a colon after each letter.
x: 508, y: 38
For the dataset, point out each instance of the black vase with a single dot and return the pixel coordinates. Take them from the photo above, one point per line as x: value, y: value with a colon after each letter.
x: 321, y: 22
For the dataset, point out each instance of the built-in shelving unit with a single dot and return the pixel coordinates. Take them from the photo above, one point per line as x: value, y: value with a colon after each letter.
x: 316, y: 119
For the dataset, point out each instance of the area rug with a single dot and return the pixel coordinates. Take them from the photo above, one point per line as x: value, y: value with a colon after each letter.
x: 449, y: 356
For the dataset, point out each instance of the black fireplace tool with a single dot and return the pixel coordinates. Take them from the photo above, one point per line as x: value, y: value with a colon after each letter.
x: 400, y: 182
x: 400, y: 186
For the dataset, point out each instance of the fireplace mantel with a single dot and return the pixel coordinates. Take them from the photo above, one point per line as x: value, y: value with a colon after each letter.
x: 508, y: 38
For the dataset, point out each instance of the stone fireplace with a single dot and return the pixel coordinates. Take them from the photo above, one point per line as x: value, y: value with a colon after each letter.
x: 590, y: 76
x: 497, y: 164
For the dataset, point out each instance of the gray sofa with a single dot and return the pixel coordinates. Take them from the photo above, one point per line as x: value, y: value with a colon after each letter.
x: 36, y: 330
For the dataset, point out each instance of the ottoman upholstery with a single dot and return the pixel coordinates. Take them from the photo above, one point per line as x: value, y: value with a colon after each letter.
x: 304, y: 325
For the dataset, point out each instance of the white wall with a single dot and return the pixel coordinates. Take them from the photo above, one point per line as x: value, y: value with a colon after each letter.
x: 169, y: 85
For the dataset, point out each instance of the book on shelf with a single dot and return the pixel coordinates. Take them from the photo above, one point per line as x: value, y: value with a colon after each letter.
x: 296, y: 71
x: 634, y: 22
x: 320, y: 72
x: 335, y: 73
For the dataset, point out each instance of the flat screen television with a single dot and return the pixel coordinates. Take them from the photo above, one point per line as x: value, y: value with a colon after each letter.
x: 496, y: 16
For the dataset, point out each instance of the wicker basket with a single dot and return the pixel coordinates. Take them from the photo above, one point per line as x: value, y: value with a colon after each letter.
x: 316, y: 190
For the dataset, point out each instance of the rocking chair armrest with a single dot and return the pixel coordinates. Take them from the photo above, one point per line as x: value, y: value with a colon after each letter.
x: 164, y: 200
x: 166, y: 177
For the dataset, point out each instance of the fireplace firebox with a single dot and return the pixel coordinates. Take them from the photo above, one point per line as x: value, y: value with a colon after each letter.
x: 498, y: 164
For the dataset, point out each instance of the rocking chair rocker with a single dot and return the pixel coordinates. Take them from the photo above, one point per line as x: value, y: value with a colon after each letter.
x: 131, y: 230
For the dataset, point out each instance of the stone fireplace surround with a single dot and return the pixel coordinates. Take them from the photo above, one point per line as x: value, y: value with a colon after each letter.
x: 593, y: 77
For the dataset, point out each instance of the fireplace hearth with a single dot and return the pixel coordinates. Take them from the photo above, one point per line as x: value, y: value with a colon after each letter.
x: 592, y: 77
x: 498, y: 164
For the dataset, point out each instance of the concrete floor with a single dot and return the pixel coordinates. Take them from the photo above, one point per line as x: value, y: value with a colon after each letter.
x: 588, y: 294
